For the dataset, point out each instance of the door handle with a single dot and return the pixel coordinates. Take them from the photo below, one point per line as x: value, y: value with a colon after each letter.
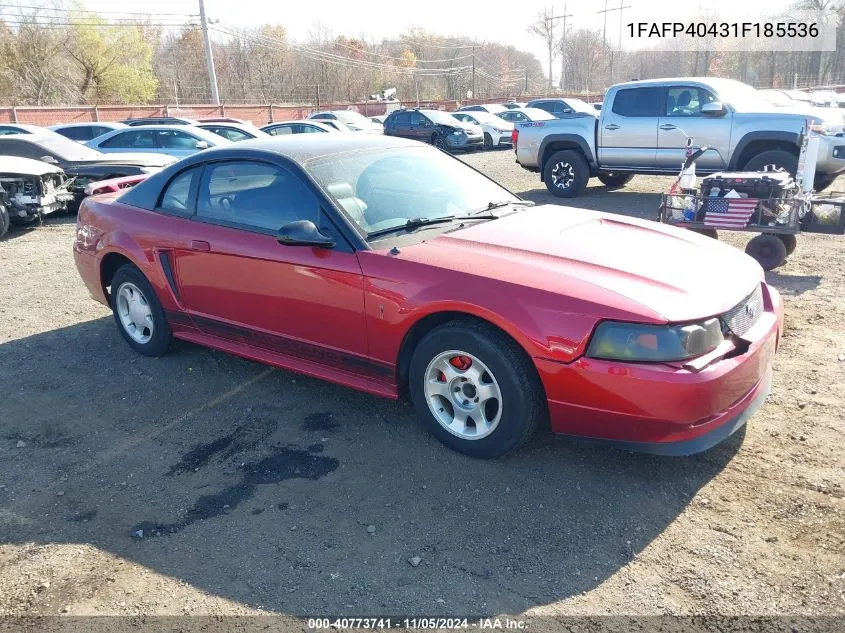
x: 612, y: 126
x: 668, y: 126
x: 200, y: 245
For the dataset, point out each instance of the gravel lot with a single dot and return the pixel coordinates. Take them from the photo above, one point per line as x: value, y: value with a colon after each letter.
x: 200, y: 483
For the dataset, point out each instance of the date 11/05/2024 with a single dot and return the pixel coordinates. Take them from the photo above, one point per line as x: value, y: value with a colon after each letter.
x: 416, y: 623
x: 723, y: 29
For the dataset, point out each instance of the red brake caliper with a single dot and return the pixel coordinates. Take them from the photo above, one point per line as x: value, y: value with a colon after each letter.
x: 460, y: 362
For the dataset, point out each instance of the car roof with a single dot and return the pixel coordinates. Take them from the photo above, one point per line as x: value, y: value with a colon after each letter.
x: 314, y: 122
x: 112, y: 124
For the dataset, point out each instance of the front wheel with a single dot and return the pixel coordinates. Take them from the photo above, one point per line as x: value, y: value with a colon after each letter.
x: 488, y: 141
x: 4, y: 220
x: 566, y: 173
x: 440, y: 142
x: 777, y: 157
x: 475, y: 390
x: 613, y: 180
x: 138, y: 313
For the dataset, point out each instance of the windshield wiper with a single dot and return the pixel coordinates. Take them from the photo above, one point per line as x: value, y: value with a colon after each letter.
x: 498, y: 204
x: 413, y: 223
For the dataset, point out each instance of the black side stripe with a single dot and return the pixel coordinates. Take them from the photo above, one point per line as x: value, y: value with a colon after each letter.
x: 164, y: 258
x: 291, y: 347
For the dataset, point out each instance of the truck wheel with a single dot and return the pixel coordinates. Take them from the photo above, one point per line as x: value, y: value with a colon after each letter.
x: 566, y: 173
x: 613, y: 180
x: 769, y: 250
x: 822, y: 182
x: 778, y: 157
x: 790, y: 241
x: 4, y: 220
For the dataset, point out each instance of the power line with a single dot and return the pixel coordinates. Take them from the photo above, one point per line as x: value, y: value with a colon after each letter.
x: 66, y: 10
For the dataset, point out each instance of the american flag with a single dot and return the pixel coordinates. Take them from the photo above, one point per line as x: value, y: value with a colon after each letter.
x: 729, y: 213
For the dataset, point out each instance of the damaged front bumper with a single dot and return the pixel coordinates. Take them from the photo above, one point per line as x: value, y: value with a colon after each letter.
x: 28, y: 197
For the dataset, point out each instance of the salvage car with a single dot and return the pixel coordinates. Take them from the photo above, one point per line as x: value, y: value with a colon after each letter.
x: 497, y: 131
x: 233, y: 131
x: 173, y: 140
x: 439, y: 128
x: 30, y: 189
x: 84, y: 132
x: 283, y: 128
x: 81, y: 163
x: 390, y: 267
x: 354, y: 121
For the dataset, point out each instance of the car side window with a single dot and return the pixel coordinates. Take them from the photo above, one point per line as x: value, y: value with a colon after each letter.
x: 687, y: 100
x: 280, y: 130
x: 134, y: 139
x: 638, y: 102
x: 82, y: 133
x: 417, y: 118
x: 231, y: 133
x: 309, y: 129
x: 176, y: 139
x: 10, y: 130
x: 177, y: 195
x: 400, y: 119
x: 256, y: 196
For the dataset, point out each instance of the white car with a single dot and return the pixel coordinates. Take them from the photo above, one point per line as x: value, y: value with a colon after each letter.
x: 174, y: 140
x: 353, y: 120
x: 497, y: 131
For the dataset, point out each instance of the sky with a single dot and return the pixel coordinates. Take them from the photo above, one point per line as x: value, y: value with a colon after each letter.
x: 505, y: 22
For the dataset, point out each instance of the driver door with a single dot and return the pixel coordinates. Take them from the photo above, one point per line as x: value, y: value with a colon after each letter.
x: 420, y: 127
x: 240, y: 284
x: 681, y: 117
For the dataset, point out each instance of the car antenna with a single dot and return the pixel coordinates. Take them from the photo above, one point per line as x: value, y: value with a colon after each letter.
x: 394, y: 251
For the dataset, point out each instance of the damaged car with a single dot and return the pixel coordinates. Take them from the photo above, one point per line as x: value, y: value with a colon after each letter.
x: 30, y: 189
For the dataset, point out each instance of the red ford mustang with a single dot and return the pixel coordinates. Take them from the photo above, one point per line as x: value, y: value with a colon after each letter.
x: 388, y: 266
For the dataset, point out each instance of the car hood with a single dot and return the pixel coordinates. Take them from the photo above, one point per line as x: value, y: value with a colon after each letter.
x: 621, y: 265
x: 139, y: 159
x: 26, y: 166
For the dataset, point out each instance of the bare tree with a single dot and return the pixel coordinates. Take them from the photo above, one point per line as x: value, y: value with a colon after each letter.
x: 543, y: 27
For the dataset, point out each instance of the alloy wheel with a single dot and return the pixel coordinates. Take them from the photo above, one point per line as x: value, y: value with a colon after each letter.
x: 135, y: 313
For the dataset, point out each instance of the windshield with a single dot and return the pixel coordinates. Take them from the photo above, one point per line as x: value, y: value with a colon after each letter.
x: 741, y: 96
x: 536, y: 114
x: 777, y: 98
x: 438, y: 116
x: 349, y: 116
x: 380, y: 189
x: 66, y: 149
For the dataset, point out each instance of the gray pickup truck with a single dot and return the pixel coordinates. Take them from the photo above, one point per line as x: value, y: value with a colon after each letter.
x: 643, y: 129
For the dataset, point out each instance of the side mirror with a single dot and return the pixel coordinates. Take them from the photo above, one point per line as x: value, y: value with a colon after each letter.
x: 201, y: 145
x: 48, y: 159
x: 714, y: 108
x: 303, y: 233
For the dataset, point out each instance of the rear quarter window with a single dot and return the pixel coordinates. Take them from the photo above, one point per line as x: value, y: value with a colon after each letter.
x: 638, y: 102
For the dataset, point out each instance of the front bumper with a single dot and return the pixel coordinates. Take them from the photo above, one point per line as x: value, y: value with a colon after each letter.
x: 662, y: 408
x: 831, y: 158
x: 464, y: 141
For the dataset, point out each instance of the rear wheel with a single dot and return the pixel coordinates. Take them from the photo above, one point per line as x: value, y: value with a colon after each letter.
x: 138, y: 313
x: 789, y: 241
x: 474, y: 389
x: 566, y: 173
x: 769, y: 250
x: 778, y: 157
x: 613, y: 180
x: 488, y: 141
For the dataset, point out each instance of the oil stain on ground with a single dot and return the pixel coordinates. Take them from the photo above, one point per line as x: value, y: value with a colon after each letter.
x: 286, y: 463
x: 321, y: 421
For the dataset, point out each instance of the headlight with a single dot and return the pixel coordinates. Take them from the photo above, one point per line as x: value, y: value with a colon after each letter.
x: 458, y: 132
x: 656, y: 343
x: 828, y: 129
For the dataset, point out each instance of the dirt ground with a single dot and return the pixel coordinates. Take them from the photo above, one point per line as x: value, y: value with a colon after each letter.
x: 200, y: 483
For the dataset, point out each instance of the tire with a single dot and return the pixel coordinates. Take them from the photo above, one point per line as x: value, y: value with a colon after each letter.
x: 779, y: 157
x: 439, y: 142
x: 155, y: 337
x: 789, y: 241
x: 511, y: 414
x: 614, y: 181
x: 5, y: 222
x: 822, y: 182
x: 566, y: 174
x: 488, y: 141
x: 712, y: 233
x: 769, y: 250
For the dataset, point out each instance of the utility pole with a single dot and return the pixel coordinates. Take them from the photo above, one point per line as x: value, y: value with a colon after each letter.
x: 526, y: 81
x: 212, y: 75
x: 472, y: 85
x: 620, y: 8
x: 562, y: 47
